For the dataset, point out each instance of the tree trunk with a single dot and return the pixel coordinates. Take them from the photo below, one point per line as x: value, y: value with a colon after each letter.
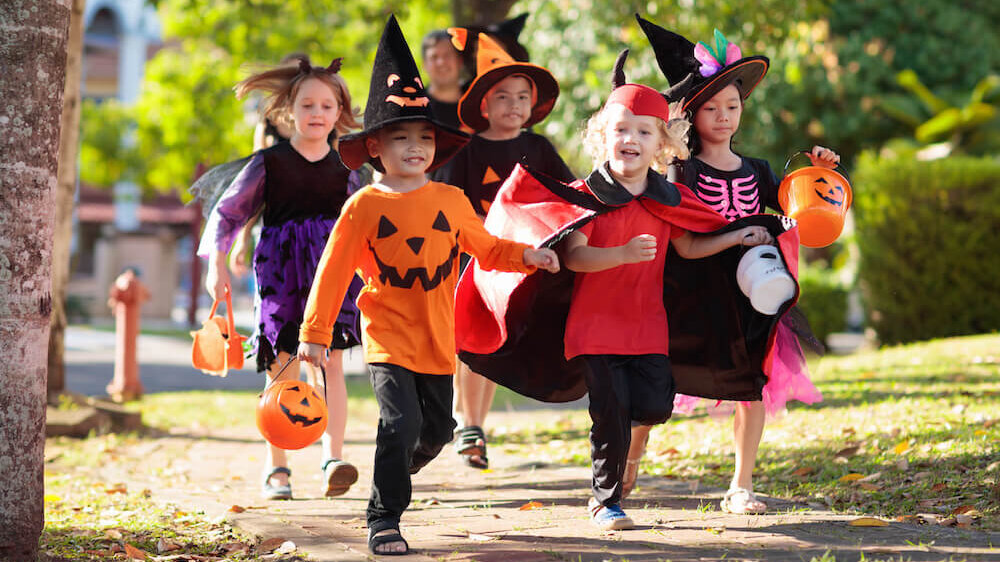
x: 480, y: 12
x: 65, y: 190
x: 33, y: 37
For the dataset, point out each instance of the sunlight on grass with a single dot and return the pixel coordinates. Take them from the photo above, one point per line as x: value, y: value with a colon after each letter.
x: 919, y: 425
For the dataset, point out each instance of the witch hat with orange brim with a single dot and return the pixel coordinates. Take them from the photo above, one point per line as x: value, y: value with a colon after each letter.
x: 493, y: 64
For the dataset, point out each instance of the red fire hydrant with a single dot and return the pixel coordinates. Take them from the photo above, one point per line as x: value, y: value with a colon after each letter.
x: 125, y: 298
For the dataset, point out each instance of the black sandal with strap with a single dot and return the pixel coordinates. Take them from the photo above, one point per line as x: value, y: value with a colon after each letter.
x: 380, y: 540
x: 471, y: 444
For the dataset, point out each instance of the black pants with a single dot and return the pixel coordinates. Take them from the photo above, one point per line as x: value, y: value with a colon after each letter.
x: 414, y: 424
x: 623, y: 389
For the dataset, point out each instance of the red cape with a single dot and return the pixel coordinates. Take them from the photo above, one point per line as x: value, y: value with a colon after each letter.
x: 510, y: 326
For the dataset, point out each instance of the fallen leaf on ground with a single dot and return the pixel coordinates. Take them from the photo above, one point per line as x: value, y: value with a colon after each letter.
x: 671, y: 452
x: 846, y: 452
x: 480, y: 538
x: 871, y: 477
x: 804, y: 471
x: 286, y: 547
x: 938, y: 487
x: 901, y: 448
x: 166, y: 546
x: 969, y: 510
x: 119, y: 488
x: 235, y: 548
x: 851, y: 477
x: 868, y: 522
x: 237, y: 509
x: 50, y: 498
x: 869, y: 486
x: 530, y: 505
x: 134, y: 553
x: 270, y: 544
x: 113, y: 534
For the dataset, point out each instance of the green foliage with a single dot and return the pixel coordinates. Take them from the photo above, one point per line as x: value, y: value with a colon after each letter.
x: 187, y: 113
x: 823, y: 300
x: 927, y: 232
x: 969, y: 126
x: 107, y: 152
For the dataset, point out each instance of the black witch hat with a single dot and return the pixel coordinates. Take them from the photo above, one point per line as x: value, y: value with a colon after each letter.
x: 698, y: 72
x: 397, y: 95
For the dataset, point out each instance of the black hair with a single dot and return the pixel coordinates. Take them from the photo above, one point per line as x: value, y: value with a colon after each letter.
x: 433, y: 38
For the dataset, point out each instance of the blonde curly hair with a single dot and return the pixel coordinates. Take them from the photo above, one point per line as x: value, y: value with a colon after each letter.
x: 673, y: 138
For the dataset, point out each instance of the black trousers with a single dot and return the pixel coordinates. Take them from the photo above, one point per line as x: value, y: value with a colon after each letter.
x: 414, y: 424
x: 623, y: 389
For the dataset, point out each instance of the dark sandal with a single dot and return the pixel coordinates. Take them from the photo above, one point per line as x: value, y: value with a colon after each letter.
x: 376, y: 541
x: 280, y: 492
x: 471, y: 441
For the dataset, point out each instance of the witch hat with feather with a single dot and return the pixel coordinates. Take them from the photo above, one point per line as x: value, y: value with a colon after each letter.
x: 698, y: 72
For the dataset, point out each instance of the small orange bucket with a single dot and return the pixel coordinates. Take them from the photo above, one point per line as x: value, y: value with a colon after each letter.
x: 217, y: 346
x: 818, y: 198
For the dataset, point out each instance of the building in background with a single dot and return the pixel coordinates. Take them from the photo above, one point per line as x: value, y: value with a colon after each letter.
x: 115, y: 226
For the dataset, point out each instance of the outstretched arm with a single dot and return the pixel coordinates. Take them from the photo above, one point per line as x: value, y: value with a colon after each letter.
x: 579, y: 256
x: 694, y: 246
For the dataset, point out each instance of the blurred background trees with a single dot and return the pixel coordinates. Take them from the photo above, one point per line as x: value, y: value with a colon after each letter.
x: 854, y: 75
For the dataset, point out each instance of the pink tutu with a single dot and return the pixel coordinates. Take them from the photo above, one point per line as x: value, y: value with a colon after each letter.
x: 787, y: 379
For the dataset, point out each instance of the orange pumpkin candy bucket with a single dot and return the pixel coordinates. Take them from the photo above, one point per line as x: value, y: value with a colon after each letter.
x: 217, y: 346
x: 291, y: 414
x: 818, y: 198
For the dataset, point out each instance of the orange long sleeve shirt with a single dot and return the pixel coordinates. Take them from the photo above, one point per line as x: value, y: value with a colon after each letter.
x: 405, y: 247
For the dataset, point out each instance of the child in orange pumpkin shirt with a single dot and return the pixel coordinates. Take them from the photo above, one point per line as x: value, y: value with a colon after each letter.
x: 404, y: 235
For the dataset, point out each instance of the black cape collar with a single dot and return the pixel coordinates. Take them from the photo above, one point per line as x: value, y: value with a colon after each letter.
x: 608, y: 191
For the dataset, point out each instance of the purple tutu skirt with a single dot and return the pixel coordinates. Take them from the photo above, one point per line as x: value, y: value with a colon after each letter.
x: 285, y: 263
x: 787, y: 380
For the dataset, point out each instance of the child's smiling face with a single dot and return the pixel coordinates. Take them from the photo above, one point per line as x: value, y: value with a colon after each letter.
x: 717, y: 120
x: 631, y: 141
x: 406, y: 149
x: 315, y: 109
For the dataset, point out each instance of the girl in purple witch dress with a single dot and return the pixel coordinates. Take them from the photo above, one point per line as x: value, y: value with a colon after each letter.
x: 299, y: 187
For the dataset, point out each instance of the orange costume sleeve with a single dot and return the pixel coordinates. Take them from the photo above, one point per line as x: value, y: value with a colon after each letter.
x: 406, y: 248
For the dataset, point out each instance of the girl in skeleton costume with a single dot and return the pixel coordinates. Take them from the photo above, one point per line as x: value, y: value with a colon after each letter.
x: 714, y: 84
x: 298, y: 187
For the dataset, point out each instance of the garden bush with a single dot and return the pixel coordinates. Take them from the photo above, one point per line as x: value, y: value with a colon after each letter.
x: 823, y: 301
x: 929, y: 235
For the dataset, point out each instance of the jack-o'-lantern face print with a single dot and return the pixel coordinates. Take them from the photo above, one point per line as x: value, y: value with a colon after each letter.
x: 832, y: 193
x: 302, y: 406
x: 405, y: 93
x: 402, y: 259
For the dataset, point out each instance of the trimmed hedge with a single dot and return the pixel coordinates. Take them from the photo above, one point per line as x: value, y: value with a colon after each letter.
x: 929, y: 236
x: 823, y: 301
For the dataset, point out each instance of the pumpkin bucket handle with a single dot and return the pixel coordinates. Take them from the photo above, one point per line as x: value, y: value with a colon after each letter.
x: 838, y: 168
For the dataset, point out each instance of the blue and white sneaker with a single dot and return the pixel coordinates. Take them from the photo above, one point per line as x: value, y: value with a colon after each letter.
x: 609, y: 518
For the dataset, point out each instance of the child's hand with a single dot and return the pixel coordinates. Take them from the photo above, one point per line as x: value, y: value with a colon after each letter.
x: 216, y: 281
x: 542, y: 258
x: 311, y: 353
x: 754, y: 236
x: 824, y: 157
x: 639, y: 249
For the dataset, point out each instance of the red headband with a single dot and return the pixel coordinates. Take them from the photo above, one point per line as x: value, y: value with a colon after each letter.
x: 641, y: 100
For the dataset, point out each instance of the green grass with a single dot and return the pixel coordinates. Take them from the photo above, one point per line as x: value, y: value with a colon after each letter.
x: 925, y: 419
